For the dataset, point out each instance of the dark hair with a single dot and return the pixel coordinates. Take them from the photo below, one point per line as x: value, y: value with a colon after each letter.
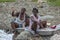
x: 24, y: 9
x: 17, y: 14
x: 35, y: 9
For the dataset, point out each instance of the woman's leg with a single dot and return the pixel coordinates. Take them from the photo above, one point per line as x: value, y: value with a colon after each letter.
x: 27, y: 21
x: 34, y: 26
x: 14, y: 25
x: 43, y: 24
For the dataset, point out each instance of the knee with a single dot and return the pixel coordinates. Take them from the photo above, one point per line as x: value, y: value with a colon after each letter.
x: 14, y: 25
x: 44, y: 23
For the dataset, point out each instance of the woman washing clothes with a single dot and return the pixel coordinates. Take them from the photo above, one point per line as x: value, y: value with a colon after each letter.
x: 20, y: 19
x: 35, y: 22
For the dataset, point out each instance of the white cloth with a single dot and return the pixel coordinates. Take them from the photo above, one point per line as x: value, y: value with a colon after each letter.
x: 20, y: 22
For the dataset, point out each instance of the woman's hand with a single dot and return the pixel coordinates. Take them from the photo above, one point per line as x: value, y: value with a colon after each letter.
x: 13, y: 11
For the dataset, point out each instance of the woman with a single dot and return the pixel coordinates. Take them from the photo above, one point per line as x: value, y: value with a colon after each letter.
x: 35, y: 18
x: 20, y: 19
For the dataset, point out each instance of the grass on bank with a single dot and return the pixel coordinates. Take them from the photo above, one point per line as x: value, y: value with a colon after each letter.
x: 34, y: 0
x: 7, y: 0
x: 51, y: 2
x: 54, y: 2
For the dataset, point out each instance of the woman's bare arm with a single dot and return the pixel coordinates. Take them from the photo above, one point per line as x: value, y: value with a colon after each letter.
x: 33, y: 19
x: 15, y: 14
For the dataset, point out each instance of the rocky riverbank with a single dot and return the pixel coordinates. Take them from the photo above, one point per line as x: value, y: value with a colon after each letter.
x: 44, y: 9
x: 53, y: 13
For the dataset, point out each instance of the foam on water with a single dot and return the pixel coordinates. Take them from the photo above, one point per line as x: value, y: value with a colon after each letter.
x: 5, y: 36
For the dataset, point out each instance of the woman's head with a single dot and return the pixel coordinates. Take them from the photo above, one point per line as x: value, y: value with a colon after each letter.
x: 35, y: 10
x: 23, y: 10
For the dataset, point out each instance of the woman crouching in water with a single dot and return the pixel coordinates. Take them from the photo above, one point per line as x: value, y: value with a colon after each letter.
x: 36, y: 22
x: 21, y: 18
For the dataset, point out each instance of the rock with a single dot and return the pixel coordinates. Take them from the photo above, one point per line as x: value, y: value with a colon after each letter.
x: 47, y: 17
x: 41, y: 1
x: 24, y: 36
x: 37, y: 38
x: 55, y: 37
x: 41, y: 7
x: 27, y: 36
x: 3, y: 26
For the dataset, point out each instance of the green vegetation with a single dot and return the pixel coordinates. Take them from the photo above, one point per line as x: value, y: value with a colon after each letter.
x: 54, y: 2
x: 34, y: 0
x: 51, y: 0
x: 7, y: 0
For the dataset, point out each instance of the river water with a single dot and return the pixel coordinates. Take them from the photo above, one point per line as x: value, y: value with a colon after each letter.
x: 5, y: 36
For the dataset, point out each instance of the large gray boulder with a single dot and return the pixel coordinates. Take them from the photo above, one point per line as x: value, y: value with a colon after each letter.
x: 25, y: 35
